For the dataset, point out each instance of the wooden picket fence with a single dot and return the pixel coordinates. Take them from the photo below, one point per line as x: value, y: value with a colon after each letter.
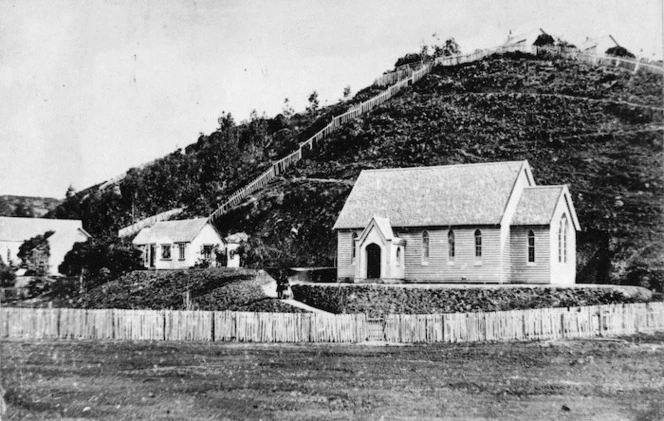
x: 166, y: 325
x: 396, y: 81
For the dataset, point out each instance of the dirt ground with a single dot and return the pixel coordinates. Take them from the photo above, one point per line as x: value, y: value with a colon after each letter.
x: 601, y: 379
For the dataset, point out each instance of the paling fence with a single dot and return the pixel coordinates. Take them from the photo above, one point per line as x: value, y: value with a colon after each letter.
x: 166, y: 325
x: 396, y: 80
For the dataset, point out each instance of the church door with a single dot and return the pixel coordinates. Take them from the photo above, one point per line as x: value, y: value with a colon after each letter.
x: 373, y: 261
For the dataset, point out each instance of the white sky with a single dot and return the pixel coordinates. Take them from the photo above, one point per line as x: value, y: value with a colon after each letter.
x: 90, y: 88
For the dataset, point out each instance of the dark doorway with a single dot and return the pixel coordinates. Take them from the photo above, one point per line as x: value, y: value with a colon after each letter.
x: 373, y: 261
x: 153, y: 251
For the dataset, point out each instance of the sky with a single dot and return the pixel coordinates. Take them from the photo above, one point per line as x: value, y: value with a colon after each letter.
x: 90, y: 88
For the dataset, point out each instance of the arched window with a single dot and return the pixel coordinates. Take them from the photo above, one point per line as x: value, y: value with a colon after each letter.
x: 531, y: 246
x: 352, y: 247
x: 562, y: 240
x: 398, y: 256
x: 425, y: 246
x: 450, y: 246
x: 565, y: 242
x: 478, y: 245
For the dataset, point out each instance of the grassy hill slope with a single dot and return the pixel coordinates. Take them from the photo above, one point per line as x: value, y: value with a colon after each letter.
x: 597, y: 129
x: 209, y: 289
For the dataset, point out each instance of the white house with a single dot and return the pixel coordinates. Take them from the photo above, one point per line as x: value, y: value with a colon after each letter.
x: 14, y: 231
x: 179, y: 244
x: 598, y: 45
x: 474, y: 223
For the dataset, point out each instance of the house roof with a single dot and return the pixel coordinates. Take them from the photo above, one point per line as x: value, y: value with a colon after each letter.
x: 20, y: 229
x: 183, y: 231
x: 606, y: 40
x: 536, y: 205
x: 469, y: 194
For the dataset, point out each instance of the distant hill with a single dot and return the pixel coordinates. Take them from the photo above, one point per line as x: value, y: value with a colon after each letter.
x: 27, y: 205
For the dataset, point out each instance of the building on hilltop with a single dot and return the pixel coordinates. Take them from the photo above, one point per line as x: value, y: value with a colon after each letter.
x: 179, y: 244
x: 598, y: 45
x: 474, y: 223
x: 14, y: 231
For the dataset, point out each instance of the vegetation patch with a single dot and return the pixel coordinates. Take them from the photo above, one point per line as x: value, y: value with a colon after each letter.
x: 379, y: 300
x: 199, y: 289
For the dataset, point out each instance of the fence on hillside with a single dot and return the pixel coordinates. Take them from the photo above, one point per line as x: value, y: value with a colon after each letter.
x: 167, y: 325
x: 397, y: 80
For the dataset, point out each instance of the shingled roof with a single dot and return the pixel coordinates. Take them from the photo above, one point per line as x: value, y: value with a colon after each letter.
x: 183, y: 231
x: 536, y: 205
x: 470, y: 194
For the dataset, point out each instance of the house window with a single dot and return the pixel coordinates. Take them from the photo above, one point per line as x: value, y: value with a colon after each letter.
x: 450, y: 246
x: 398, y: 256
x: 352, y: 247
x: 562, y: 240
x: 478, y: 245
x: 425, y: 247
x: 181, y: 249
x: 146, y: 255
x: 165, y: 252
x: 207, y: 251
x: 531, y: 246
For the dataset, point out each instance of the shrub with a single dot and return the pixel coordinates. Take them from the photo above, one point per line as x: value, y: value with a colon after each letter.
x: 619, y: 51
x: 544, y: 39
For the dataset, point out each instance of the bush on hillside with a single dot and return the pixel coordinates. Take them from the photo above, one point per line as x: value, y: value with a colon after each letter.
x: 216, y: 289
x: 544, y: 40
x: 619, y: 51
x: 98, y: 261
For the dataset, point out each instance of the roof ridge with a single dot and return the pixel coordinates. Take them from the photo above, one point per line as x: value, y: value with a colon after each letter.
x: 549, y: 186
x: 420, y: 168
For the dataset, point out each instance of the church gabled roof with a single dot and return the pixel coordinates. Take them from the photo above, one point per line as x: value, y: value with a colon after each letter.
x: 183, y: 231
x: 537, y: 205
x: 469, y: 194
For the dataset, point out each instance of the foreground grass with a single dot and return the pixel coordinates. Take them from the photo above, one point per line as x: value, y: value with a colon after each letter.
x: 582, y: 379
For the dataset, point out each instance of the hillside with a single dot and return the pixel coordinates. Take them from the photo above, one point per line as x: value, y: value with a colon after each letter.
x: 27, y: 205
x: 209, y: 289
x: 597, y: 129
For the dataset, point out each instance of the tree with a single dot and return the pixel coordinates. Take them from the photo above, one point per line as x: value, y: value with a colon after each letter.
x: 287, y: 109
x: 407, y: 59
x: 70, y: 192
x: 619, y: 51
x: 226, y: 121
x: 23, y: 210
x: 347, y: 92
x: 543, y: 40
x: 449, y: 48
x: 313, y: 104
x: 7, y: 275
x: 34, y: 254
x: 98, y: 261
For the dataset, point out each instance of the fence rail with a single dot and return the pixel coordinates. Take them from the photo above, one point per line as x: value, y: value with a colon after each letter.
x: 167, y: 325
x: 394, y: 81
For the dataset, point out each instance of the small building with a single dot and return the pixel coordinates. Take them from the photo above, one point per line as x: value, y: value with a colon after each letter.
x: 524, y: 38
x: 179, y: 244
x: 474, y: 223
x: 14, y: 231
x: 598, y: 45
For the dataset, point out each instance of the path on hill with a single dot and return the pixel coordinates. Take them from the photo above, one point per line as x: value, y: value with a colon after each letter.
x: 270, y: 290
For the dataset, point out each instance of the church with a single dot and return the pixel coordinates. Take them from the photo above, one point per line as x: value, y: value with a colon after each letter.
x: 470, y: 223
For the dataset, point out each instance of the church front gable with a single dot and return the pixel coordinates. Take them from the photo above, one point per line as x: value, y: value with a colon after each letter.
x: 379, y: 255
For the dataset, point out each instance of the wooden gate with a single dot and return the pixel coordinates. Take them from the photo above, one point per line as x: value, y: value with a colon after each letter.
x: 375, y: 329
